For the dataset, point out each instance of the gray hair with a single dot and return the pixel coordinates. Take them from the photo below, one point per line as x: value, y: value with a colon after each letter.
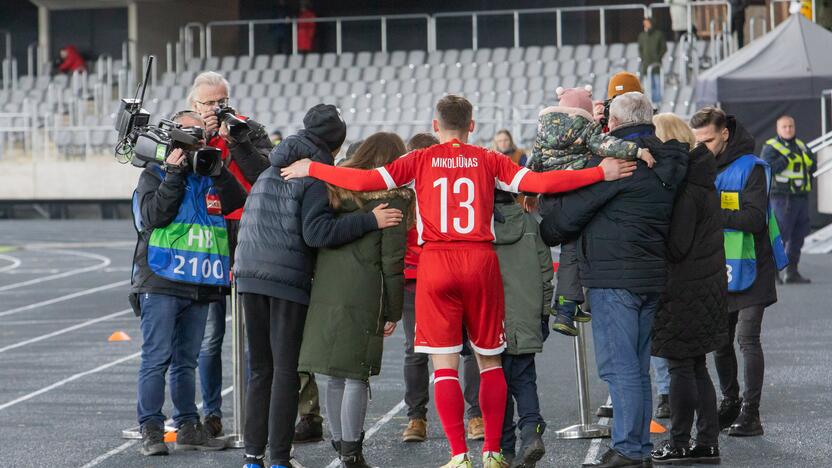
x: 209, y: 78
x: 631, y: 109
x: 186, y: 113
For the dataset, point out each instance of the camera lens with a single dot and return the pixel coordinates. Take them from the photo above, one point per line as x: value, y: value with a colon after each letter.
x: 206, y: 161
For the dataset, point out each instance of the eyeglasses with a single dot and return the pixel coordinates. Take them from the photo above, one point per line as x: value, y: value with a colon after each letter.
x: 223, y: 102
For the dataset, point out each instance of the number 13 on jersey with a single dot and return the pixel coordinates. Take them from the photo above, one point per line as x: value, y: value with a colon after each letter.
x: 465, y: 201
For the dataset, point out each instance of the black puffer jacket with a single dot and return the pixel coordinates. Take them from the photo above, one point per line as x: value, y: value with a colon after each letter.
x: 751, y: 217
x: 622, y: 224
x: 284, y: 221
x: 693, y: 317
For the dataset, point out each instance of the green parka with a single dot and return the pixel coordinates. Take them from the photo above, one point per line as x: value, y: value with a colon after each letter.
x: 526, y: 268
x: 356, y: 289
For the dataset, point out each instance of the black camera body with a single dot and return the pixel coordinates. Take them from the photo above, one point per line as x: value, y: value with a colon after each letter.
x: 238, y: 128
x: 141, y: 143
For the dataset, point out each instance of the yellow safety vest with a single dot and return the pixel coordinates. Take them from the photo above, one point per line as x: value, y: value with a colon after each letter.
x: 796, y: 175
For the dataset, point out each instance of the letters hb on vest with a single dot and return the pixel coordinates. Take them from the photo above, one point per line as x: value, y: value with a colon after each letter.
x: 193, y: 248
x: 740, y: 255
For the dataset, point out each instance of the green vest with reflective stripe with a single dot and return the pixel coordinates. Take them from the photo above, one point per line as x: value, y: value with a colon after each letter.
x: 796, y: 177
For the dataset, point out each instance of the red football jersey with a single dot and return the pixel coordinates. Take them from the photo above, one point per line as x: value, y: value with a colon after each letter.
x: 454, y: 184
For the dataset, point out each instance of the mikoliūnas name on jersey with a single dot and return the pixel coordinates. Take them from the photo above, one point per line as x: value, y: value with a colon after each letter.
x: 740, y: 256
x: 193, y: 248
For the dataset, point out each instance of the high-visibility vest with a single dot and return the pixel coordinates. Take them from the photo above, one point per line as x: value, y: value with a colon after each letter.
x: 740, y: 255
x: 795, y: 177
x: 193, y: 248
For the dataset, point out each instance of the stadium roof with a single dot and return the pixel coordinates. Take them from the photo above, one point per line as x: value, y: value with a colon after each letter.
x: 793, y: 61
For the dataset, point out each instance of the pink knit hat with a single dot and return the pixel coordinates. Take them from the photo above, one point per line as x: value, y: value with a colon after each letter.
x: 580, y: 98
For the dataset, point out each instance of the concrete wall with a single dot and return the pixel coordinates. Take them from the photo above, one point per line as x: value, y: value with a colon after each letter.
x: 95, y: 179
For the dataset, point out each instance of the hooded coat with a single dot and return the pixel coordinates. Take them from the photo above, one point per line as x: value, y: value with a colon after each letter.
x: 358, y: 287
x: 752, y: 217
x: 284, y: 221
x: 526, y: 269
x: 693, y: 317
x: 622, y: 225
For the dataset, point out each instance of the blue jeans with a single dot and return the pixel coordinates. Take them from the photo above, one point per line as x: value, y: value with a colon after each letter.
x: 621, y: 326
x: 656, y: 88
x: 521, y: 378
x: 662, y: 375
x: 172, y: 329
x: 210, y: 360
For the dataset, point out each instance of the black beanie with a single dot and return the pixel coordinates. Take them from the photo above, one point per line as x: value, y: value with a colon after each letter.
x: 325, y: 122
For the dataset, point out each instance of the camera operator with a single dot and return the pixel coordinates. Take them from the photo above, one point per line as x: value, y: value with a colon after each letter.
x: 181, y: 265
x: 246, y: 156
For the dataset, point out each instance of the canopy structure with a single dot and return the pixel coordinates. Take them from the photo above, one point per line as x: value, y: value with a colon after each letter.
x: 783, y: 72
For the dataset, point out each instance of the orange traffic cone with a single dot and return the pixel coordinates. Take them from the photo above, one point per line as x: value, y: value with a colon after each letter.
x: 170, y: 437
x: 119, y: 336
x: 656, y: 428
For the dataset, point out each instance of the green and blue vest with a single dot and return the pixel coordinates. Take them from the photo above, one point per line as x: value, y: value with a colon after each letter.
x: 740, y: 256
x: 193, y: 248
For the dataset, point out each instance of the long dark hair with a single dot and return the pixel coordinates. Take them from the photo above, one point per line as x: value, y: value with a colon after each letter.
x: 377, y: 150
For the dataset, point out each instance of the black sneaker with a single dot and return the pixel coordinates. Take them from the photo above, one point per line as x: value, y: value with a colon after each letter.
x: 729, y: 409
x: 213, y: 424
x: 531, y: 448
x: 309, y: 429
x: 582, y: 316
x: 667, y: 454
x: 794, y: 277
x: 663, y: 408
x: 563, y: 325
x: 193, y: 436
x: 705, y: 455
x: 254, y: 461
x: 153, y: 441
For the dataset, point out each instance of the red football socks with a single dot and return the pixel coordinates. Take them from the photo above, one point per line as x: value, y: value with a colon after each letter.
x: 451, y: 407
x: 493, y: 405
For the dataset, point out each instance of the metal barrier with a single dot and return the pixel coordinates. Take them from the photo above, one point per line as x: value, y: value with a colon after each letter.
x: 586, y: 429
x: 236, y: 440
x: 186, y: 37
x: 338, y: 21
x: 691, y: 5
x: 515, y: 14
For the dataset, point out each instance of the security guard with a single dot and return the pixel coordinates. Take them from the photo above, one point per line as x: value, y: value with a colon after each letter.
x: 792, y: 164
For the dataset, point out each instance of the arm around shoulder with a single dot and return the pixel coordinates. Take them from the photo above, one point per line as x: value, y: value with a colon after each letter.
x: 322, y: 228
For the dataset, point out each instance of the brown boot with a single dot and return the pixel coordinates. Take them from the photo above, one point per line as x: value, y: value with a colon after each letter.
x: 476, y: 429
x: 416, y: 431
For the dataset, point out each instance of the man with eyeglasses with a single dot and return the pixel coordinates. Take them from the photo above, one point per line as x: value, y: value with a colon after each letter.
x: 181, y: 266
x: 245, y: 159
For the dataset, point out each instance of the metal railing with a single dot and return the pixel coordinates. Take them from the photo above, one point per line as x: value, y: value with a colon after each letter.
x: 558, y: 12
x: 752, y: 27
x: 690, y: 7
x: 337, y: 21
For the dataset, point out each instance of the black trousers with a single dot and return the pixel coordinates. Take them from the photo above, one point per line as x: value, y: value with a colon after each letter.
x: 274, y: 329
x: 745, y: 324
x: 692, y: 392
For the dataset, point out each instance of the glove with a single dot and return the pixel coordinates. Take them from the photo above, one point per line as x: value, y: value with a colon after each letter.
x: 544, y: 325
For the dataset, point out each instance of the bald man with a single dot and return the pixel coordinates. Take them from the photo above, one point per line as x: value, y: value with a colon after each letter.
x: 792, y: 164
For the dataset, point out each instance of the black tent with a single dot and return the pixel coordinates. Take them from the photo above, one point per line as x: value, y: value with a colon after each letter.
x: 783, y: 72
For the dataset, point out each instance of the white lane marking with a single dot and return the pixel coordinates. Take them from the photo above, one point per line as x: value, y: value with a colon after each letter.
x: 78, y: 245
x: 10, y: 323
x: 97, y: 460
x: 64, y: 330
x: 85, y: 292
x: 377, y: 426
x: 595, y: 445
x: 15, y: 263
x: 69, y: 379
x: 104, y: 263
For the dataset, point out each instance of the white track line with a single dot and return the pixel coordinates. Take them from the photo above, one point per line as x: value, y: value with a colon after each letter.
x: 97, y: 460
x: 64, y: 330
x: 15, y: 263
x: 85, y: 292
x: 104, y: 263
x: 69, y: 379
x: 595, y: 445
x: 77, y: 245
